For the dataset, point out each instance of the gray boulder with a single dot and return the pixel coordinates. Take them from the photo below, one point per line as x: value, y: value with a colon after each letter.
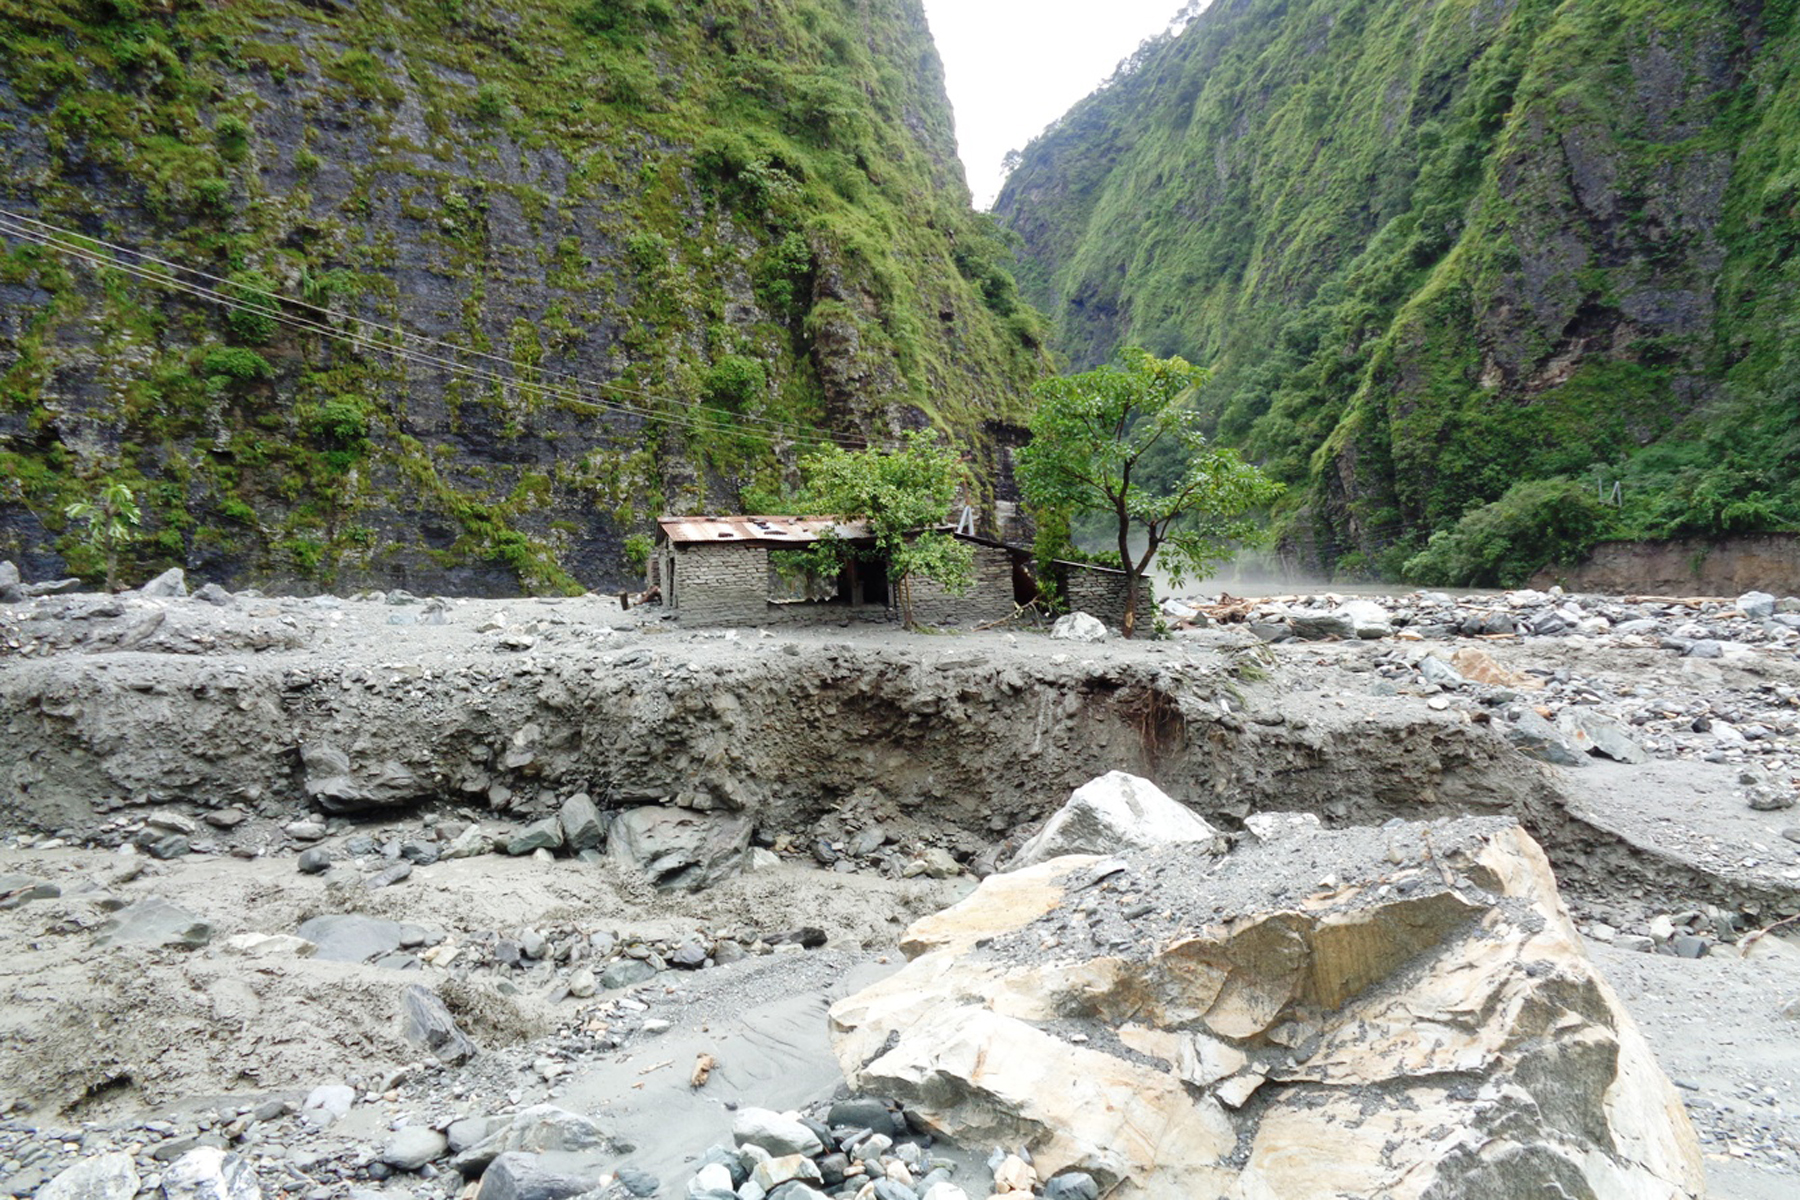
x: 212, y: 593
x: 1367, y: 618
x: 775, y: 1132
x: 678, y: 849
x: 626, y: 972
x: 430, y: 1026
x: 515, y: 1176
x: 11, y: 591
x: 156, y: 921
x: 1113, y: 813
x: 1433, y: 669
x: 1313, y: 626
x: 582, y: 827
x: 170, y: 585
x: 546, y: 834
x: 472, y: 1131
x: 351, y: 937
x: 1757, y: 605
x: 1597, y: 733
x: 102, y: 1177
x: 209, y: 1173
x: 1537, y: 738
x: 326, y: 1103
x: 336, y: 787
x: 413, y: 1146
x: 541, y: 1129
x: 1273, y: 826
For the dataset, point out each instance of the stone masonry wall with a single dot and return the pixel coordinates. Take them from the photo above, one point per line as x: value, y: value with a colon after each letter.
x: 989, y: 599
x: 1100, y: 594
x: 721, y: 585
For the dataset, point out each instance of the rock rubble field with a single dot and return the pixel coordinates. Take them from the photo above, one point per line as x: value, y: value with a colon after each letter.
x: 387, y: 896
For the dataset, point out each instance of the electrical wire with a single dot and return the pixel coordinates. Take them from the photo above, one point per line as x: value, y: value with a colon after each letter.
x: 279, y: 309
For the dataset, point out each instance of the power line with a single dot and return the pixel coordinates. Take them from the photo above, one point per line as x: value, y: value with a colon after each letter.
x: 275, y: 307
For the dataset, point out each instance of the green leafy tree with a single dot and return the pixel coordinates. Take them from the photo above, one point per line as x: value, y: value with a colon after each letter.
x: 902, y: 496
x: 1123, y: 443
x: 111, y: 517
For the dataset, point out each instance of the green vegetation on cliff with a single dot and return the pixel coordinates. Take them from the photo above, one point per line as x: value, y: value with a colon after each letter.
x: 745, y: 219
x: 1436, y: 253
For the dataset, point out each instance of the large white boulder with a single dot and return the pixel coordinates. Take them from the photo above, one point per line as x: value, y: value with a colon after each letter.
x: 102, y: 1177
x: 1116, y: 812
x: 1409, y: 1007
x: 1078, y: 627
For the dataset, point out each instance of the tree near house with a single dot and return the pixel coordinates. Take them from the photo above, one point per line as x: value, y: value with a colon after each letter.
x: 1123, y: 442
x: 902, y: 495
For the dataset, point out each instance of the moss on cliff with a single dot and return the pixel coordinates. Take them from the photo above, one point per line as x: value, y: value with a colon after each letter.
x: 636, y: 194
x: 1435, y: 251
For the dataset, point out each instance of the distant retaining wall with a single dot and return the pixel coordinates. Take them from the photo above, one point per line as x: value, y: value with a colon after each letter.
x: 1729, y: 566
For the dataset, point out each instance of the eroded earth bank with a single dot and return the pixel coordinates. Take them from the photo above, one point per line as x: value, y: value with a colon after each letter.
x: 344, y: 892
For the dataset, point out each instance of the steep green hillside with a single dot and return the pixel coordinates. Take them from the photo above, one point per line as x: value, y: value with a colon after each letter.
x: 738, y: 223
x: 1437, y: 251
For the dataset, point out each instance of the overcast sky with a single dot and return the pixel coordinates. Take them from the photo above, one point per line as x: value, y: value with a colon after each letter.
x: 1014, y: 66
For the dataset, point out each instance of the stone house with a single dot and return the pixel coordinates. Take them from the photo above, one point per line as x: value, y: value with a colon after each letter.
x: 729, y: 570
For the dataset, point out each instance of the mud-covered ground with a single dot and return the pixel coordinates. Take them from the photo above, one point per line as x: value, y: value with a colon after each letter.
x: 869, y: 760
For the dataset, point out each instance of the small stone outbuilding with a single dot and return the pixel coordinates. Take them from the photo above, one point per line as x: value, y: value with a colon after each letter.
x: 729, y: 570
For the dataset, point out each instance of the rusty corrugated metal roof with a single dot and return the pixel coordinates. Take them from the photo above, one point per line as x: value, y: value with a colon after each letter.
x: 789, y: 531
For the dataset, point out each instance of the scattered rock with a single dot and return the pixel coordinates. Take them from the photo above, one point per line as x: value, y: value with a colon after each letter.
x: 1537, y: 738
x: 778, y: 1133
x: 1433, y: 669
x: 170, y: 585
x: 209, y: 1173
x: 1312, y: 626
x: 351, y: 937
x: 1116, y: 812
x: 1596, y: 733
x: 1078, y: 627
x: 625, y: 972
x: 1477, y: 666
x: 1272, y: 826
x: 582, y: 828
x: 1367, y: 618
x: 156, y: 921
x: 326, y: 1103
x: 413, y: 1146
x: 314, y: 860
x: 678, y: 849
x: 102, y: 1177
x: 546, y: 834
x: 516, y: 1176
x: 430, y: 1026
x: 335, y: 787
x: 1758, y: 606
x: 269, y: 945
x: 390, y: 875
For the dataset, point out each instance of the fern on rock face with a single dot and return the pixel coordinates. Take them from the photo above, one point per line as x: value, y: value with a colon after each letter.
x: 1432, y: 252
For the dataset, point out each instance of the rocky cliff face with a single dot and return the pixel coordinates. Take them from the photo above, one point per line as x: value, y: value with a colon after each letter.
x: 691, y: 241
x: 1435, y: 251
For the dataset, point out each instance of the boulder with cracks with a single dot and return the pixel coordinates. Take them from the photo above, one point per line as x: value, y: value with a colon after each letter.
x: 1403, y: 1011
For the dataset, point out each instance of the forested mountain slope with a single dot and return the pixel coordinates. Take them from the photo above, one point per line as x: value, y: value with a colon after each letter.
x: 1440, y: 252
x: 745, y: 217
